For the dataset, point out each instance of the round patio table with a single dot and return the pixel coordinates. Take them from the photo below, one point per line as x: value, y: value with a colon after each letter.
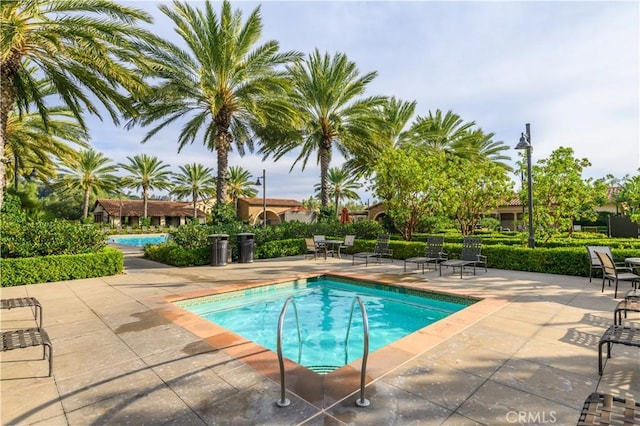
x: 633, y: 262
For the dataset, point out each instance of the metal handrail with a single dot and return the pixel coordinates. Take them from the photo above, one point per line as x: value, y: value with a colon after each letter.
x: 284, y: 402
x: 362, y: 401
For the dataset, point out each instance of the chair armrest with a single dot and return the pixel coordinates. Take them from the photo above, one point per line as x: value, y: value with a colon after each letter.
x: 482, y: 258
x: 443, y: 255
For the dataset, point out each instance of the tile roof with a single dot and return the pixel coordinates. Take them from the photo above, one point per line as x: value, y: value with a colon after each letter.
x: 154, y: 208
x: 271, y: 202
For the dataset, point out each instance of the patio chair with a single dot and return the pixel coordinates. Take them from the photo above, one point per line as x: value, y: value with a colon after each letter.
x: 607, y: 409
x: 312, y: 248
x: 595, y: 264
x: 611, y: 273
x: 433, y: 254
x: 380, y: 250
x: 349, y: 241
x: 471, y: 256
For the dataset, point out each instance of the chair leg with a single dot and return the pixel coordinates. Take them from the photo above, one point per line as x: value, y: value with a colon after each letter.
x: 615, y: 294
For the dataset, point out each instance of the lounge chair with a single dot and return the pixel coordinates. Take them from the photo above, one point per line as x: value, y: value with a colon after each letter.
x: 611, y: 273
x: 594, y: 261
x: 433, y: 254
x: 380, y: 250
x: 471, y: 256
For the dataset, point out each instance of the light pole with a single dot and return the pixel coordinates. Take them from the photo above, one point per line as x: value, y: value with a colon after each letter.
x: 264, y: 196
x: 120, y: 224
x: 525, y: 143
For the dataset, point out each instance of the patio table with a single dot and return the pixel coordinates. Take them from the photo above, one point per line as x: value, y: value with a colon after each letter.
x: 334, y: 244
x: 633, y: 262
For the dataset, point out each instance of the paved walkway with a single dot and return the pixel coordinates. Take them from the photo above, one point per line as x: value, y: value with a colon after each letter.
x: 121, y: 358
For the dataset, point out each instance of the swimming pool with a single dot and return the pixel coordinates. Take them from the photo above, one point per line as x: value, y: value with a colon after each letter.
x: 139, y: 240
x: 324, y: 305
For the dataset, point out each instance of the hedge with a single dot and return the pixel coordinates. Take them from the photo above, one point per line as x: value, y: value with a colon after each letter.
x: 33, y: 270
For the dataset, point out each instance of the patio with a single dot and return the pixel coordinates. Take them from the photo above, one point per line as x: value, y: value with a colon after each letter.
x: 121, y: 358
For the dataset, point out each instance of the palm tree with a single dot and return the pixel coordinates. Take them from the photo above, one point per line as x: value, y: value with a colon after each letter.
x: 147, y: 173
x: 342, y: 186
x: 224, y: 82
x: 92, y: 172
x: 438, y: 132
x: 240, y: 185
x: 331, y: 112
x: 395, y: 117
x: 82, y: 47
x: 481, y: 146
x: 196, y: 181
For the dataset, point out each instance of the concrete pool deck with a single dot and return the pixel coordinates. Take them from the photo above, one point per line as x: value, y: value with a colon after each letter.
x: 122, y: 355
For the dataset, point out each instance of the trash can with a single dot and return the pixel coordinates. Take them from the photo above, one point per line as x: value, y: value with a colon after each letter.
x: 245, y: 247
x: 219, y: 246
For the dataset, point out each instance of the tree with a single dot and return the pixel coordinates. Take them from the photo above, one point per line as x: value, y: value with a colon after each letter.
x: 240, y: 185
x: 147, y: 173
x: 479, y: 186
x: 35, y: 146
x: 224, y: 82
x: 440, y: 132
x: 395, y: 116
x: 412, y: 186
x: 195, y: 181
x: 342, y: 186
x: 331, y: 112
x: 629, y: 195
x: 92, y: 172
x: 81, y: 47
x: 561, y: 195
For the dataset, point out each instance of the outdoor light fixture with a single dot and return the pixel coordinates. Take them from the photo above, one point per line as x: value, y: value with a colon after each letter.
x: 264, y: 196
x: 525, y: 143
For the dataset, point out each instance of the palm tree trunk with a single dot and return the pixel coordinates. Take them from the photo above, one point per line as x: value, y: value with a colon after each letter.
x: 195, y: 209
x: 85, y: 205
x: 144, y: 202
x: 337, y: 200
x: 325, y: 149
x: 223, y: 144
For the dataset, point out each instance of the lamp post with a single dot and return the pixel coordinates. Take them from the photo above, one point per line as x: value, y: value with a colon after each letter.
x: 120, y: 223
x: 525, y: 143
x: 264, y: 196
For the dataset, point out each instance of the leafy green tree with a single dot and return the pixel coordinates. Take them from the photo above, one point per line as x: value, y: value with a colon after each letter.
x: 194, y: 181
x: 331, y: 112
x: 224, y: 82
x: 561, y: 195
x: 342, y: 186
x: 81, y: 47
x: 479, y: 186
x: 629, y: 195
x: 92, y: 172
x: 412, y: 186
x: 240, y: 185
x: 146, y: 173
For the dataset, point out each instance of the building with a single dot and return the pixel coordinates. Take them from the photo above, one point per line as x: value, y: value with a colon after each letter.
x: 117, y: 213
x: 277, y: 211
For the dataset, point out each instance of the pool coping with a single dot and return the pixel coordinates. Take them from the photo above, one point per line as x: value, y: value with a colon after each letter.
x: 324, y: 391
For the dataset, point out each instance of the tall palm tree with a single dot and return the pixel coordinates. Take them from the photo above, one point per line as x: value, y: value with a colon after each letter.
x: 82, y: 47
x: 332, y: 112
x: 35, y: 148
x: 342, y: 186
x: 195, y: 181
x: 481, y: 146
x: 239, y: 185
x: 395, y: 117
x: 224, y: 82
x: 147, y: 173
x: 440, y: 132
x: 92, y: 172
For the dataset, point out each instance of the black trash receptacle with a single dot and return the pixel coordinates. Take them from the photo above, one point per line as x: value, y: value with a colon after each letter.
x: 245, y: 247
x: 219, y: 247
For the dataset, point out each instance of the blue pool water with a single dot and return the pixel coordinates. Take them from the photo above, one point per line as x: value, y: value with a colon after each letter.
x: 324, y: 305
x: 139, y: 240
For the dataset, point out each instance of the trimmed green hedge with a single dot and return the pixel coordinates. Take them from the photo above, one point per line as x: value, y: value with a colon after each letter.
x: 33, y: 270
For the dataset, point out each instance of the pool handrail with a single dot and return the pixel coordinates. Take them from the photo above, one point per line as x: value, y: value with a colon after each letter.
x: 362, y: 401
x: 284, y: 402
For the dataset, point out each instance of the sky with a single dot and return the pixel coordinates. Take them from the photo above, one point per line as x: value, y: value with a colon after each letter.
x: 570, y: 69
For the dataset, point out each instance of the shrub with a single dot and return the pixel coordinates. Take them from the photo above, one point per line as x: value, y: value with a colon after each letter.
x: 32, y: 270
x: 44, y: 238
x: 173, y: 254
